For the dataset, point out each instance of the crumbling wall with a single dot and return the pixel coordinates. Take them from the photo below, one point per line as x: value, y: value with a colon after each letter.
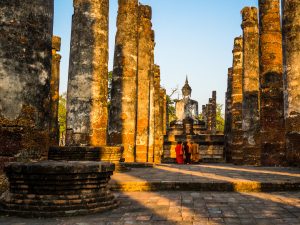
x: 25, y: 71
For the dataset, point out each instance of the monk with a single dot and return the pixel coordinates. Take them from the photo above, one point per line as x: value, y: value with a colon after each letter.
x: 187, y: 147
x: 195, y: 153
x: 179, y: 153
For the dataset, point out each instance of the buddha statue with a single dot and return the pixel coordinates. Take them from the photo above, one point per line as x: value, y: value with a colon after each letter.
x: 186, y: 108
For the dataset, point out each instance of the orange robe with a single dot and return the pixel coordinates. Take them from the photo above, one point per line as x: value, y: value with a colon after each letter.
x: 179, y: 154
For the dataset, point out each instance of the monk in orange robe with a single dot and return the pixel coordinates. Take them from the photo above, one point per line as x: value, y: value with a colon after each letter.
x: 179, y: 153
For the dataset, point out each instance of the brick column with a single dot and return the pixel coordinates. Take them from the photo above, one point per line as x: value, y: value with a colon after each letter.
x: 88, y: 73
x: 165, y: 111
x: 214, y: 112
x: 157, y: 115
x: 25, y: 72
x: 251, y: 146
x: 122, y: 118
x: 54, y: 91
x: 291, y: 51
x: 237, y: 98
x: 204, y: 116
x: 228, y: 116
x: 151, y: 106
x: 271, y: 85
x: 143, y: 89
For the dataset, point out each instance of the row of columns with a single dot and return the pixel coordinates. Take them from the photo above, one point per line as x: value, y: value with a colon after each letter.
x: 262, y: 99
x: 29, y: 81
x: 135, y: 95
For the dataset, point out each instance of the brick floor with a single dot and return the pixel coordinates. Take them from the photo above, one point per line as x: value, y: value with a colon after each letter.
x: 193, y: 208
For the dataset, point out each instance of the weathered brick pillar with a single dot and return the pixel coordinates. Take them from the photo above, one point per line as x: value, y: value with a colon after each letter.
x: 25, y: 72
x: 157, y: 115
x: 151, y: 106
x: 271, y: 84
x: 291, y: 50
x: 122, y: 118
x: 251, y: 146
x: 88, y: 73
x: 228, y: 116
x: 54, y: 91
x: 209, y: 108
x: 204, y: 114
x: 165, y: 111
x: 162, y: 119
x: 214, y: 112
x: 144, y: 70
x: 236, y: 144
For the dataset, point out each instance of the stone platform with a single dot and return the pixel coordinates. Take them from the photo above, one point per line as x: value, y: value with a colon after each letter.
x: 50, y: 189
x: 208, y: 177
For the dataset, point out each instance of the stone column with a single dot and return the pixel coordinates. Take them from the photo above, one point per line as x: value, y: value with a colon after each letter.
x: 271, y: 84
x: 237, y: 98
x: 151, y: 106
x: 165, y: 111
x: 228, y: 116
x: 88, y: 73
x: 214, y: 112
x: 25, y: 72
x: 250, y: 111
x: 209, y: 108
x: 143, y: 80
x: 204, y: 116
x: 157, y: 115
x: 122, y: 117
x: 162, y: 120
x: 54, y: 91
x: 291, y: 51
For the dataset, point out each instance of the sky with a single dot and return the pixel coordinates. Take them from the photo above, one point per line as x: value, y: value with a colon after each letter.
x: 193, y: 38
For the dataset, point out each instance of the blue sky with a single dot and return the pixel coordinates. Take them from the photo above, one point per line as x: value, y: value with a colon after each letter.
x: 193, y: 37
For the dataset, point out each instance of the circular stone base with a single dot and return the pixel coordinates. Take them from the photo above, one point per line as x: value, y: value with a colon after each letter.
x: 54, y: 189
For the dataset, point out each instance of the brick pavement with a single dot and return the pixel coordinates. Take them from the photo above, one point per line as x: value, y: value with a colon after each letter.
x: 194, y: 206
x: 188, y: 208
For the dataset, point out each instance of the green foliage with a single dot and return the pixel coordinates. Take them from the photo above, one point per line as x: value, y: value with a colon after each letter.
x: 62, y: 113
x: 220, y: 118
x: 171, y: 105
x: 220, y: 122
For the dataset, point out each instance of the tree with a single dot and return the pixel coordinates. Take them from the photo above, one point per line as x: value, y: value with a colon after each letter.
x: 171, y: 105
x: 62, y: 113
x: 220, y: 118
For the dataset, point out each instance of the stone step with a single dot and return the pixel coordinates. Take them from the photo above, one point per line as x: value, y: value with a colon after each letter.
x: 238, y: 186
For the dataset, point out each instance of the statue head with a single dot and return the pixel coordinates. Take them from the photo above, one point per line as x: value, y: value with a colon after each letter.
x: 186, y: 89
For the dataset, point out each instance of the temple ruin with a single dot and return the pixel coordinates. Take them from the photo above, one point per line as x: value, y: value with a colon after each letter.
x: 269, y: 74
x: 262, y: 107
x: 188, y: 127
